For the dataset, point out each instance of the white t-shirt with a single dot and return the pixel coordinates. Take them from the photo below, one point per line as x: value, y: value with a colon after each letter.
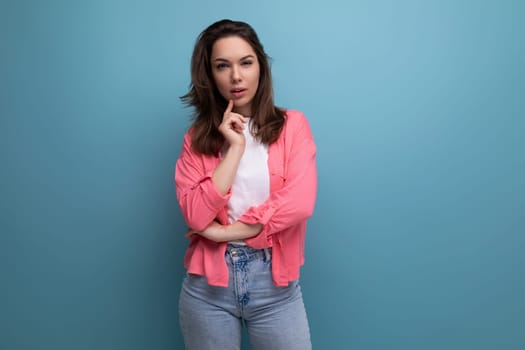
x: 251, y: 185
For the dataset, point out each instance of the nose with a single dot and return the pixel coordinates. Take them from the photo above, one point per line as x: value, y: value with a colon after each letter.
x: 236, y: 74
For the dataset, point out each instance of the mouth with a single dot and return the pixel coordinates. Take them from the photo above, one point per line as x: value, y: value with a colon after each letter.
x: 237, y: 92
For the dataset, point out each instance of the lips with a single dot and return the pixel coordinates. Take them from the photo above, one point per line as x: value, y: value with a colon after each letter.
x: 238, y: 92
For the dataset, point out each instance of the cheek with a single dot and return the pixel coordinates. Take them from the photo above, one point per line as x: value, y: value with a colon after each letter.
x: 256, y: 82
x: 256, y: 79
x: 221, y: 85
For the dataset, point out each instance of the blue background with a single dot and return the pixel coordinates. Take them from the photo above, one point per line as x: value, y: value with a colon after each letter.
x: 417, y: 109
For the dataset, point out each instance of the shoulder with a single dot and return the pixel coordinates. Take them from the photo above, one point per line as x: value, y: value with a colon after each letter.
x: 294, y: 116
x: 189, y: 135
x: 296, y: 121
x: 187, y: 139
x: 189, y: 151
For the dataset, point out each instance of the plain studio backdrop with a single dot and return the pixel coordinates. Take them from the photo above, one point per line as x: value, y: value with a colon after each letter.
x: 417, y: 107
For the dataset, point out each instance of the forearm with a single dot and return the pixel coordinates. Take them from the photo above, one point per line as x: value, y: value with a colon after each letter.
x: 239, y: 230
x: 224, y: 174
x: 224, y: 233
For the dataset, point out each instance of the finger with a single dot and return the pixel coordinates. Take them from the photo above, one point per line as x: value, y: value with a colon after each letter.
x: 229, y: 108
x: 237, y: 119
x: 238, y: 126
x: 189, y: 234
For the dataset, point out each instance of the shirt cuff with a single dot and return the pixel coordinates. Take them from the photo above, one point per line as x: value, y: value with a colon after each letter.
x: 255, y: 215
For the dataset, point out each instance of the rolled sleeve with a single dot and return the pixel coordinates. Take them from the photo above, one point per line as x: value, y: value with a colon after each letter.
x: 260, y: 215
x: 197, y: 195
x: 295, y: 201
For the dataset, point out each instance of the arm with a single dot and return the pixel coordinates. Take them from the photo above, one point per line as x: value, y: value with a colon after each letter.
x: 295, y: 201
x: 224, y: 233
x: 224, y: 174
x: 202, y: 193
x: 232, y: 129
x: 198, y: 197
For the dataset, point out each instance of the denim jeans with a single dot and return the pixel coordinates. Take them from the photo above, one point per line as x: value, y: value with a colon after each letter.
x: 212, y: 317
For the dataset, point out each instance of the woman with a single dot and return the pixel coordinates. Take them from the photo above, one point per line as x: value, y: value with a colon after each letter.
x: 246, y: 183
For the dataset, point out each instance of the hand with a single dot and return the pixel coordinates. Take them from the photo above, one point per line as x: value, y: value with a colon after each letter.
x: 232, y: 126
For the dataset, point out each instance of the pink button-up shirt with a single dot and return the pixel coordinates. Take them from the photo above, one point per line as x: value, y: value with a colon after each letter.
x: 293, y: 187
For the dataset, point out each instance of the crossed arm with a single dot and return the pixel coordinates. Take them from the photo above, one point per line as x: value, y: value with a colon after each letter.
x: 203, y: 195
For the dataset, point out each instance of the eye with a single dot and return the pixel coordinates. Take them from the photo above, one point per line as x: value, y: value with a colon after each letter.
x: 247, y: 63
x: 222, y: 66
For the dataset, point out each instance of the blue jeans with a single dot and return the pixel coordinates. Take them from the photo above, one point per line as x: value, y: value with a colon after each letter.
x: 212, y: 317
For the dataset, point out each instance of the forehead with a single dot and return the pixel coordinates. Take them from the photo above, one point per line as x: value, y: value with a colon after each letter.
x: 231, y: 48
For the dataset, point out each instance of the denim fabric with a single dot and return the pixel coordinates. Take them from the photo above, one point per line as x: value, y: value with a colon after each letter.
x: 212, y: 317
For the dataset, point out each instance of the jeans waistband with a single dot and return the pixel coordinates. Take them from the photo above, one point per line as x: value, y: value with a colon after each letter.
x: 248, y: 253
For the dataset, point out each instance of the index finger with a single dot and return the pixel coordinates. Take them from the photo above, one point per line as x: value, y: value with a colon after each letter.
x: 230, y: 107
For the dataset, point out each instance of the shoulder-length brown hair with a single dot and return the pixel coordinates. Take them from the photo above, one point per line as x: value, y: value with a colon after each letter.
x: 203, y: 95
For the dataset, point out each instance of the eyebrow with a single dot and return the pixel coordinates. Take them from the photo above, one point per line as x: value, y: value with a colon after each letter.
x: 242, y: 58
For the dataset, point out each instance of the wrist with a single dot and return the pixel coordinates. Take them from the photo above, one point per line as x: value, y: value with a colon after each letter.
x: 237, y: 147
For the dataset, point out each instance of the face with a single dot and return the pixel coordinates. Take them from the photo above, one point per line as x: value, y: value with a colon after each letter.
x: 236, y: 72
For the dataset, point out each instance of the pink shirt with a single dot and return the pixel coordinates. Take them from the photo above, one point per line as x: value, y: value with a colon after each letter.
x: 293, y: 187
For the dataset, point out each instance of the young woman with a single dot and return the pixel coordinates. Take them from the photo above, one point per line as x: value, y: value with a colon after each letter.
x: 246, y: 183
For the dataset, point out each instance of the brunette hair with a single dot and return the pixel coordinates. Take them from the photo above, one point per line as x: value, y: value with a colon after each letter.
x: 209, y: 104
